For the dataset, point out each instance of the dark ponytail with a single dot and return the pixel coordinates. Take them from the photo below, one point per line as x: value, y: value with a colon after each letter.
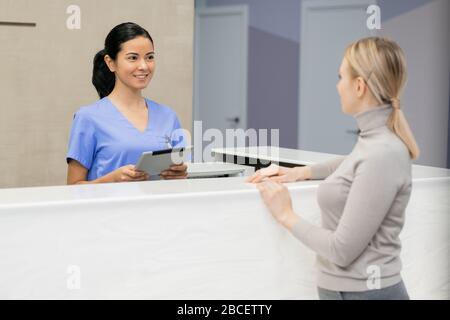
x: 102, y: 78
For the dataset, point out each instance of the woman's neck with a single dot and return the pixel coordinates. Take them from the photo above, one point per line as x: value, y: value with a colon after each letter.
x: 367, y: 103
x: 126, y: 97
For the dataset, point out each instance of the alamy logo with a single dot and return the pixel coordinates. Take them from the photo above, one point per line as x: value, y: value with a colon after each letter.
x: 373, y: 281
x: 374, y: 20
x: 74, y: 278
x: 207, y: 140
x: 73, y: 21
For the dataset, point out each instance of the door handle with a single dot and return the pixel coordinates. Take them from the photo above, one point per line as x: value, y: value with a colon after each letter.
x: 234, y: 120
x: 17, y: 24
x: 353, y: 132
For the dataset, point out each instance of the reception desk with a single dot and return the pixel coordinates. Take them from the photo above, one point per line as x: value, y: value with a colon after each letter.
x: 191, y: 239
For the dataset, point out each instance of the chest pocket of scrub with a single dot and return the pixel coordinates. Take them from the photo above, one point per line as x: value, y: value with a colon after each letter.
x: 163, y: 142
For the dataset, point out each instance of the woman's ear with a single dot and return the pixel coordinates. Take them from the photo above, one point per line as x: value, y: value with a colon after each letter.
x: 360, y: 86
x: 110, y: 63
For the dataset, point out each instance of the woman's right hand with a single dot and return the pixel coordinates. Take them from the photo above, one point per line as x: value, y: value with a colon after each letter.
x: 129, y: 173
x: 281, y: 174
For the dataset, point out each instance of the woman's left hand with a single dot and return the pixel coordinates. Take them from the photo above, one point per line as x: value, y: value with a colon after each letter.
x: 278, y: 200
x: 178, y: 171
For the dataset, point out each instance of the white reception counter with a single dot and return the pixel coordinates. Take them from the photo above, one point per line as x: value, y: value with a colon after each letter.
x: 191, y: 239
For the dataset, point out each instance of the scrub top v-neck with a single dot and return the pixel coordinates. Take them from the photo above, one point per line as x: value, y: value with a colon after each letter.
x: 120, y: 114
x: 102, y: 139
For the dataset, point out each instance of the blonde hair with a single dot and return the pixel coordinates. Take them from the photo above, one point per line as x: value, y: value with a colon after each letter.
x: 381, y: 63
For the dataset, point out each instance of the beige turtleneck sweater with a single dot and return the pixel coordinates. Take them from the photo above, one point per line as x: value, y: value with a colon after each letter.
x: 362, y: 202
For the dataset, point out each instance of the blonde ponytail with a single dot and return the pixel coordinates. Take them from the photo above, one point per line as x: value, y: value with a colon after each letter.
x: 381, y: 61
x: 399, y: 125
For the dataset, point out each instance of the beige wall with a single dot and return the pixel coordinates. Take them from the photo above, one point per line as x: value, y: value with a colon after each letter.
x: 46, y: 75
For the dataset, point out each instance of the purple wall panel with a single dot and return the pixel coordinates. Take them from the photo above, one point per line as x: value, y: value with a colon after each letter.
x: 273, y: 85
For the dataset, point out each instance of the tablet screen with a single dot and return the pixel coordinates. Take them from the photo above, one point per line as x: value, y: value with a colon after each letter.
x: 154, y: 162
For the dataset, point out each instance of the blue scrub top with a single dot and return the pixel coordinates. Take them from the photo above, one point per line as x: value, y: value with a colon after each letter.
x: 103, y: 140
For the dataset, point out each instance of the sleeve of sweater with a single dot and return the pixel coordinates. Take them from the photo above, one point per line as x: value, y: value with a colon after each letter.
x: 324, y: 169
x: 370, y: 197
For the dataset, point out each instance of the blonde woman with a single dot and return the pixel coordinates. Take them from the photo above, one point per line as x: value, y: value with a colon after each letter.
x: 364, y: 194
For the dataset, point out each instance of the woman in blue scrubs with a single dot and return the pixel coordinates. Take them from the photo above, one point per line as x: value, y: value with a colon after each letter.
x: 108, y: 136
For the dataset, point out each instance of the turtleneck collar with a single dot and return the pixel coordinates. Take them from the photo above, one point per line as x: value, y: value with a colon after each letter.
x: 373, y: 118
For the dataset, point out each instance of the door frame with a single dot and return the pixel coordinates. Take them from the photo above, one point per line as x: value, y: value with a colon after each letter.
x: 223, y: 11
x: 306, y: 6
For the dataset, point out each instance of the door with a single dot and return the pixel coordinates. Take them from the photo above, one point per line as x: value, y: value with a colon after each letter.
x: 327, y: 27
x: 220, y: 88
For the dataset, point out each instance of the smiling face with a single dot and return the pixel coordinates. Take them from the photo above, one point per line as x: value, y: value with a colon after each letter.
x: 134, y: 64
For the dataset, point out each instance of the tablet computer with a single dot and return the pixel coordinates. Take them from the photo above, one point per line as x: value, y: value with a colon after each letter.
x: 154, y: 162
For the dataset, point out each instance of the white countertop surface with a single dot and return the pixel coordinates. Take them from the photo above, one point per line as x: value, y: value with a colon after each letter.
x: 293, y: 156
x: 302, y: 157
x: 128, y: 190
x: 163, y: 188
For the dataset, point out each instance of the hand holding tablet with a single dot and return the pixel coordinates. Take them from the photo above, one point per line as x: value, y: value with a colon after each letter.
x: 156, y: 162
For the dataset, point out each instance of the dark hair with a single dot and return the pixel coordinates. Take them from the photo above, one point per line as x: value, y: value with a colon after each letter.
x: 102, y: 78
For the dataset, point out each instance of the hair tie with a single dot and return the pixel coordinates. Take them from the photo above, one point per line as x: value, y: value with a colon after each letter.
x: 395, y: 103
